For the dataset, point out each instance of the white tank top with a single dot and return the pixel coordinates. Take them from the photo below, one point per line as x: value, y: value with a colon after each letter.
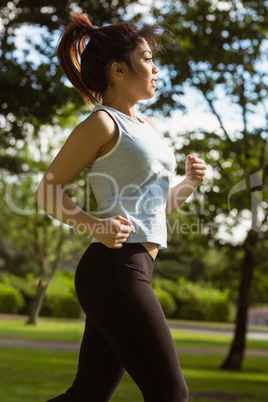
x: 133, y: 179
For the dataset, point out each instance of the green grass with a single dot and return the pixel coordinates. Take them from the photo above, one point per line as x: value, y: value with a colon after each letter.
x: 52, y: 330
x: 49, y: 330
x: 217, y: 325
x: 183, y: 338
x: 36, y: 375
x: 29, y: 375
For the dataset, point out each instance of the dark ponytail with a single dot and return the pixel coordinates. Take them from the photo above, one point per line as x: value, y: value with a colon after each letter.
x: 86, y: 53
x: 71, y: 46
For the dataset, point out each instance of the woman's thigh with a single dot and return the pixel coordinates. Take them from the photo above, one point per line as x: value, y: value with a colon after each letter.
x: 114, y: 289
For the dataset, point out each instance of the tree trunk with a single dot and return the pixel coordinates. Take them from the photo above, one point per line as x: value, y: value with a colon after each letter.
x: 37, y: 302
x: 235, y: 357
x: 42, y: 253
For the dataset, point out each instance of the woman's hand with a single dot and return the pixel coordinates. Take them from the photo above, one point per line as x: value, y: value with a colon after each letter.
x: 113, y: 232
x: 195, y: 170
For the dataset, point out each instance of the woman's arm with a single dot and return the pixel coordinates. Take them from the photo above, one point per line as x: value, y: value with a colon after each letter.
x: 195, y: 174
x: 80, y: 150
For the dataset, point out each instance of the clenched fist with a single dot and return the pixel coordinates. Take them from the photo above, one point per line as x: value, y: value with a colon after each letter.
x: 195, y: 169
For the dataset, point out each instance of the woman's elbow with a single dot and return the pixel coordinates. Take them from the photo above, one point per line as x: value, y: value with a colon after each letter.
x: 48, y: 196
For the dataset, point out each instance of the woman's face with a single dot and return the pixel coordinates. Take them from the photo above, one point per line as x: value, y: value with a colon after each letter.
x: 141, y: 82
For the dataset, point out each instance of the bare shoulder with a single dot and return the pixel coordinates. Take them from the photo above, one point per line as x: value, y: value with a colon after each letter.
x: 99, y: 126
x: 152, y: 123
x: 82, y: 147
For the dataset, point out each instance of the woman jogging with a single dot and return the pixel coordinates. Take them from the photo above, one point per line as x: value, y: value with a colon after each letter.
x: 130, y: 169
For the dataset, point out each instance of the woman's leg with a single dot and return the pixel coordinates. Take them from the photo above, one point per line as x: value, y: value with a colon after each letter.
x: 153, y: 363
x: 116, y: 294
x: 99, y: 370
x: 113, y: 287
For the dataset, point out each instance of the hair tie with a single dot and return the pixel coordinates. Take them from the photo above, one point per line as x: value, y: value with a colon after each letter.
x: 84, y: 30
x: 88, y: 30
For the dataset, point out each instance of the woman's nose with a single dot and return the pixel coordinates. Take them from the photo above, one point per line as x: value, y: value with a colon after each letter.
x: 155, y: 69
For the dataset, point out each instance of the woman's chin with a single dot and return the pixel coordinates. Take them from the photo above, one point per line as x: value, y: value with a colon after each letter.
x: 148, y: 96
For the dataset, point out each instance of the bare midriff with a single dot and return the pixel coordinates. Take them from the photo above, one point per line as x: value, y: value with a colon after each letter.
x: 152, y: 248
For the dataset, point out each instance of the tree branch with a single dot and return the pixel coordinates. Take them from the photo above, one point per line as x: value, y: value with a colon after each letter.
x: 209, y: 101
x: 58, y: 253
x: 243, y: 104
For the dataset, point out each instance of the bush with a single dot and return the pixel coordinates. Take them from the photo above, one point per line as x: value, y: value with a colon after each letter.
x: 167, y: 301
x: 193, y: 301
x: 189, y: 306
x: 26, y: 286
x: 196, y: 302
x: 60, y: 299
x: 216, y: 306
x: 65, y: 306
x: 23, y: 284
x: 166, y: 284
x: 11, y: 300
x: 68, y: 279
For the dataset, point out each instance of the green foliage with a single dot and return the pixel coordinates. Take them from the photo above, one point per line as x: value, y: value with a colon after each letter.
x: 166, y: 300
x: 32, y: 241
x: 58, y: 286
x: 11, y: 300
x: 25, y: 286
x: 204, y: 304
x: 64, y: 306
x: 33, y: 92
x: 259, y: 291
x: 60, y: 299
x: 193, y: 301
x: 214, y: 48
x: 67, y: 279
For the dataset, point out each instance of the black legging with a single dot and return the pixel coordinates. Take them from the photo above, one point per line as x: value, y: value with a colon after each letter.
x: 125, y: 329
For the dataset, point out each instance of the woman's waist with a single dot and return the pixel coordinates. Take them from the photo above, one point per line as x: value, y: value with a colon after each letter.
x: 152, y: 248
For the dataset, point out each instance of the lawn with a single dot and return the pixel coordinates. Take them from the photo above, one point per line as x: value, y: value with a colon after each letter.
x: 187, y: 339
x: 52, y: 330
x: 29, y: 375
x: 33, y: 375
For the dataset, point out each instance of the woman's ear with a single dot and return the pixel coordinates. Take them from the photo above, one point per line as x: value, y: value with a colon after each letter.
x: 117, y: 71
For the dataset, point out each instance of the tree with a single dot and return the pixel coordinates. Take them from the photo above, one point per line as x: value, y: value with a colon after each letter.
x: 33, y: 92
x: 36, y: 243
x: 218, y: 50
